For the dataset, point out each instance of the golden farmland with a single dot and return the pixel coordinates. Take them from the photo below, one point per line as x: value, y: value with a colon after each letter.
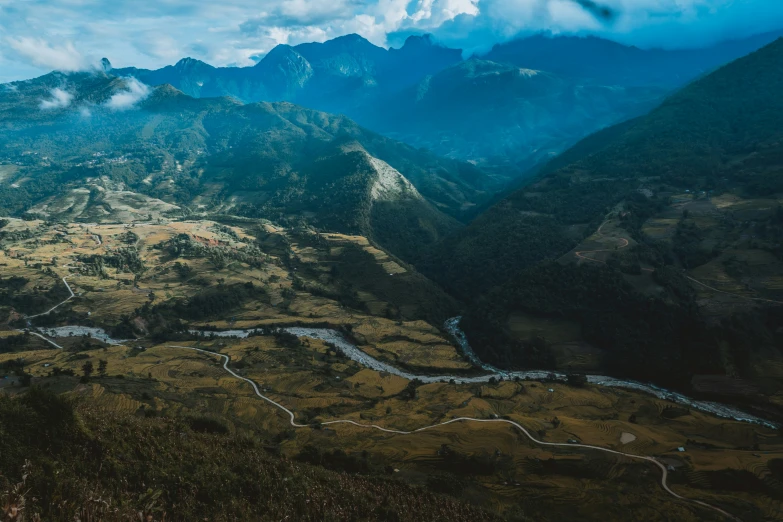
x: 303, y: 275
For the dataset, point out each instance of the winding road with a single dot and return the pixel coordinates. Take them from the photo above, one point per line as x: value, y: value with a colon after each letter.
x: 581, y: 254
x: 292, y: 421
x: 55, y: 307
x: 52, y: 309
x: 292, y: 418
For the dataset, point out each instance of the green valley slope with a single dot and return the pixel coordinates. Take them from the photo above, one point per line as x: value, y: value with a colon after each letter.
x: 697, y: 181
x: 95, y: 155
x: 501, y: 115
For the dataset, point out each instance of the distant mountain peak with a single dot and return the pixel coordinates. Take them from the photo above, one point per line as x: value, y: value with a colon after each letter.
x: 285, y: 69
x: 280, y: 54
x: 189, y: 63
x: 106, y: 65
x: 279, y: 49
x: 352, y: 37
x: 419, y: 40
x: 348, y: 42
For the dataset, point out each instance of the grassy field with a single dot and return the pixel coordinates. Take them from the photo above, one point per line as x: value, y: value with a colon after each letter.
x: 331, y: 280
x: 493, y: 465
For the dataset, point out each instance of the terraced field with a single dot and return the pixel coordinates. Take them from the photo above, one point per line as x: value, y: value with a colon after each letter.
x: 319, y: 385
x: 490, y: 464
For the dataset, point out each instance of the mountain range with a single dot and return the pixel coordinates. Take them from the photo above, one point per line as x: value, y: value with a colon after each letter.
x: 535, y: 281
x: 656, y: 240
x: 87, y: 158
x: 404, y: 92
x: 613, y: 240
x: 333, y: 76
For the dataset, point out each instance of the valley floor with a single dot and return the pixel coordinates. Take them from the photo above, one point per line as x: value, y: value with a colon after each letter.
x: 537, y: 448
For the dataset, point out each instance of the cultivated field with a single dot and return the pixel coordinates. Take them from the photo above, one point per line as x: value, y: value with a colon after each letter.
x: 344, y: 282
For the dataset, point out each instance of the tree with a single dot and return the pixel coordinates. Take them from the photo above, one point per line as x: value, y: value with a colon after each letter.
x: 102, y: 364
x: 87, y: 369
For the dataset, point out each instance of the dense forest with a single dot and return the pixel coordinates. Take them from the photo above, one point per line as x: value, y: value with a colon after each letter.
x: 720, y: 135
x: 720, y: 132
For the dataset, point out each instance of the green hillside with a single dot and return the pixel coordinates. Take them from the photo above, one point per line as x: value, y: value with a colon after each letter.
x: 690, y: 190
x: 169, y: 154
x: 114, y: 467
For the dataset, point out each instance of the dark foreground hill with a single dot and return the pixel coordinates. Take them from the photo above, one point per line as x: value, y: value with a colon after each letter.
x: 62, y: 463
x: 692, y: 190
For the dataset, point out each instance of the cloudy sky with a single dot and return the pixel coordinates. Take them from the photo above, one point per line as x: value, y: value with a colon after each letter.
x: 39, y: 35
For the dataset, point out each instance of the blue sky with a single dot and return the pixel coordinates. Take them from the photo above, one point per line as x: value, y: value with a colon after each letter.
x: 39, y: 35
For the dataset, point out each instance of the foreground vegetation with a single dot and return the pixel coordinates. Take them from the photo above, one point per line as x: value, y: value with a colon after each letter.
x: 690, y: 198
x: 151, y: 282
x: 60, y: 461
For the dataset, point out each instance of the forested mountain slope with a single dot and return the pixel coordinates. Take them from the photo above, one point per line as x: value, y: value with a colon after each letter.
x: 721, y: 130
x: 697, y: 181
x: 103, y: 144
x: 501, y: 114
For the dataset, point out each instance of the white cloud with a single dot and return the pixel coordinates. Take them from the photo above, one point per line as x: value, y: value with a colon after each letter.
x: 134, y: 92
x: 159, y: 46
x: 36, y: 35
x: 60, y: 99
x: 41, y: 53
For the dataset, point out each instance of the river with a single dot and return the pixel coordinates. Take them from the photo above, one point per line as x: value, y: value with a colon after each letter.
x: 452, y: 326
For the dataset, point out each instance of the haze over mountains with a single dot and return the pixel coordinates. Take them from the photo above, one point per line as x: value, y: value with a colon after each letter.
x: 102, y: 146
x: 480, y: 109
x: 546, y: 282
x: 617, y: 237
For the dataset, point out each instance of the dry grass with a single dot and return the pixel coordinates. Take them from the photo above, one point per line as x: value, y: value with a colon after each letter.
x: 320, y: 385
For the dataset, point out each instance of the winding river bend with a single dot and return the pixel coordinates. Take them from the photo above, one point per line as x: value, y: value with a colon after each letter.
x: 452, y: 326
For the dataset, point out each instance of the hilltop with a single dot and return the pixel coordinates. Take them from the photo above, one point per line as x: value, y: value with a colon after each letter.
x: 167, y: 153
